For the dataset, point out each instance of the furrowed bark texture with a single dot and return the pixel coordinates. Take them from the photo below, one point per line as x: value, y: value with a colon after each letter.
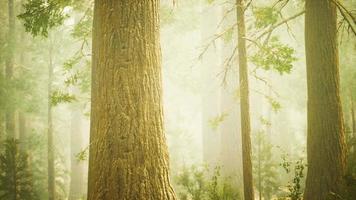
x: 244, y: 103
x: 325, y: 140
x: 128, y: 154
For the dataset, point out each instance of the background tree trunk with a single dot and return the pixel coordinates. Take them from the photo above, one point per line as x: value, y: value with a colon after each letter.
x: 2, y: 63
x: 244, y: 103
x: 50, y: 145
x: 259, y: 185
x: 325, y: 141
x: 128, y: 153
x: 22, y: 130
x: 10, y: 112
x: 230, y: 156
x: 210, y: 94
x: 22, y: 114
x: 77, y: 178
x: 353, y: 120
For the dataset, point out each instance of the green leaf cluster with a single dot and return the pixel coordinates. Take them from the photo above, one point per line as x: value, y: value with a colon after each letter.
x: 265, y: 16
x: 275, y: 55
x: 58, y: 97
x: 198, y: 183
x: 275, y: 105
x: 77, y: 72
x: 295, y: 186
x: 39, y: 15
x: 82, y: 155
x: 83, y: 29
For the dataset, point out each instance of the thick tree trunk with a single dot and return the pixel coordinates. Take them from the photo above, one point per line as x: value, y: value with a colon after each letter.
x: 10, y: 112
x: 325, y: 140
x: 128, y: 153
x: 244, y: 103
x: 50, y: 145
x: 77, y: 178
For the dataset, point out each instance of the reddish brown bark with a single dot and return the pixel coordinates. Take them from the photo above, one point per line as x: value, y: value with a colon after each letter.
x: 325, y: 143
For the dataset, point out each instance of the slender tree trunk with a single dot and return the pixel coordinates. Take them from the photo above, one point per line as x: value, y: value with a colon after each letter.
x: 259, y: 166
x: 2, y: 128
x: 77, y: 178
x: 230, y: 156
x: 2, y: 69
x: 128, y: 153
x: 269, y: 136
x: 353, y: 120
x: 244, y: 103
x: 50, y: 145
x: 10, y: 112
x: 22, y: 130
x: 325, y: 140
x: 21, y: 114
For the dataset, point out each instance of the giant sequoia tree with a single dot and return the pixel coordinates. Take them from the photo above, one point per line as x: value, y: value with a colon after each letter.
x: 325, y: 143
x: 128, y: 154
